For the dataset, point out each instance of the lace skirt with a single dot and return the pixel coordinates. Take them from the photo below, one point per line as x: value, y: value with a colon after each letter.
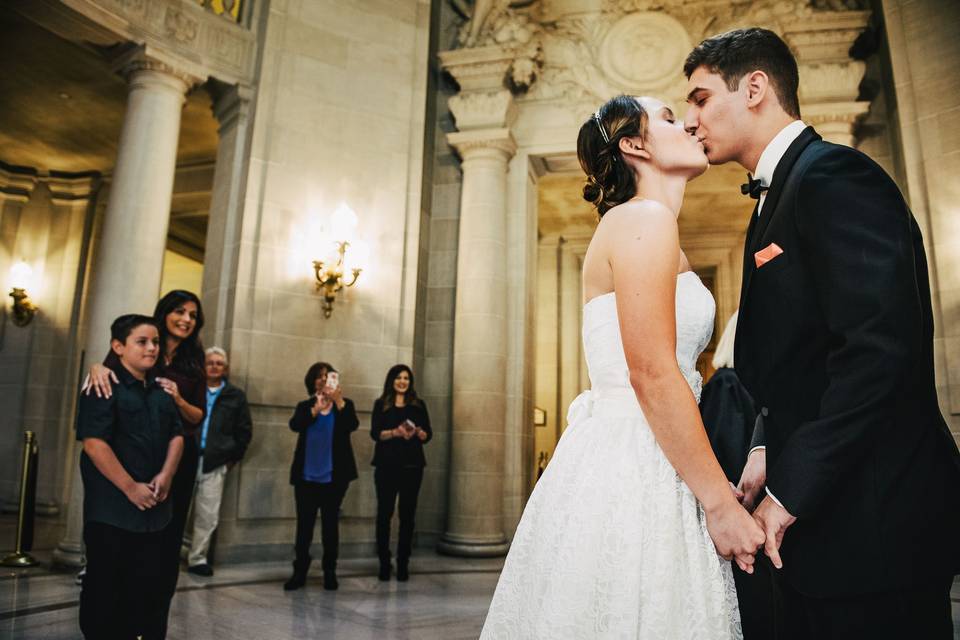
x: 612, y: 543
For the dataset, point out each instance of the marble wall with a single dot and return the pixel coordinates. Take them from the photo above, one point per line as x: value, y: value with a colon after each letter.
x: 924, y: 52
x: 337, y: 117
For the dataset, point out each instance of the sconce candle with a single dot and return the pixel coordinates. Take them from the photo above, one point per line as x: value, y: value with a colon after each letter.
x: 330, y: 277
x: 23, y: 307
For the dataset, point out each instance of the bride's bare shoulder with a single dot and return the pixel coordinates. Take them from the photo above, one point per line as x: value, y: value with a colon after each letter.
x: 637, y: 216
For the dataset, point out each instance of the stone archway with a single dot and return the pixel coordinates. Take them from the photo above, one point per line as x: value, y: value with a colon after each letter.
x: 529, y: 73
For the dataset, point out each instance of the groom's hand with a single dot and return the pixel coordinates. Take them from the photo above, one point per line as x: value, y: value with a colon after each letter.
x: 753, y: 478
x: 774, y: 520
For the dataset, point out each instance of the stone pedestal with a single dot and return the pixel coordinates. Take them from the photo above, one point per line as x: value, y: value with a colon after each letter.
x: 128, y: 257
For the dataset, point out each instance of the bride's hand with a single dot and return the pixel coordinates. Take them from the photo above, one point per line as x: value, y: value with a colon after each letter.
x: 735, y: 533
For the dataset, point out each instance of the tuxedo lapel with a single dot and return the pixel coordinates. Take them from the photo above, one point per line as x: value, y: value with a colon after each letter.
x: 748, y: 265
x: 780, y: 175
x: 759, y: 224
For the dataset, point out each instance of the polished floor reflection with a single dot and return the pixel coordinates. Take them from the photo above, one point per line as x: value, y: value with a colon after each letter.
x: 445, y: 599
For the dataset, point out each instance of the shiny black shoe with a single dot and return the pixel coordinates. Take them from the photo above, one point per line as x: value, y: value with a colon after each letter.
x: 295, y: 582
x: 330, y: 582
x: 299, y: 577
x: 403, y: 570
x: 385, y: 571
x: 204, y: 570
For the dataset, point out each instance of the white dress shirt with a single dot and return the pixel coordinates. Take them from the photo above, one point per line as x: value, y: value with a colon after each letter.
x: 767, y: 164
x: 772, y: 155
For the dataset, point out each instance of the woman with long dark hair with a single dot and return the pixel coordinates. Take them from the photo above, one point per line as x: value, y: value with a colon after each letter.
x: 179, y: 371
x: 400, y: 425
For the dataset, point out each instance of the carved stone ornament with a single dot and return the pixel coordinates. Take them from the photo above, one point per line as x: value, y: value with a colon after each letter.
x: 483, y: 110
x: 644, y: 50
x: 498, y: 142
x: 200, y: 41
x: 179, y: 26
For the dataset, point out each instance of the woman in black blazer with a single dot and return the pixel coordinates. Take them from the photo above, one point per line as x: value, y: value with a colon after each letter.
x: 400, y: 425
x: 323, y: 467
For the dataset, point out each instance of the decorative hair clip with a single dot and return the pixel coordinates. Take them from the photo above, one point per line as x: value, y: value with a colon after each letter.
x: 603, y: 132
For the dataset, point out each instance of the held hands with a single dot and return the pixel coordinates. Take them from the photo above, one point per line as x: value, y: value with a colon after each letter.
x: 98, y: 381
x: 774, y: 520
x: 734, y: 533
x: 160, y: 485
x: 142, y: 496
x: 753, y: 478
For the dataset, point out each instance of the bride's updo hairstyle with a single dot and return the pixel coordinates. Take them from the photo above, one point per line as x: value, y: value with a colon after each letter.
x: 610, y: 180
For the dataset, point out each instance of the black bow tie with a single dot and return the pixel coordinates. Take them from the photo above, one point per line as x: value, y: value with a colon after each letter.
x: 753, y: 188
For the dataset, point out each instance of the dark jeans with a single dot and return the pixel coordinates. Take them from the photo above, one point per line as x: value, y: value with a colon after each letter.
x: 390, y: 483
x: 181, y: 493
x: 124, y: 591
x: 923, y: 612
x: 327, y: 498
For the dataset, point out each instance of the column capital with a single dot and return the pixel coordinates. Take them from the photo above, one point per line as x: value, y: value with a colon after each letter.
x: 483, y: 142
x: 72, y: 189
x: 16, y: 183
x: 229, y: 102
x: 483, y: 109
x: 160, y: 69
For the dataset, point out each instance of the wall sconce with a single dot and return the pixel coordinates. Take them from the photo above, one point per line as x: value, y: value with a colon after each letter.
x: 23, y: 308
x: 330, y: 277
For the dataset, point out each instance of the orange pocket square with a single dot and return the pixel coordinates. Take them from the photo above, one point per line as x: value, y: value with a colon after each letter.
x: 764, y: 256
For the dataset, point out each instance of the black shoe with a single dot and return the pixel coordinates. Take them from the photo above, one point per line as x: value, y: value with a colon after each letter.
x: 330, y: 580
x: 204, y: 570
x: 385, y: 571
x: 299, y: 577
x: 403, y: 570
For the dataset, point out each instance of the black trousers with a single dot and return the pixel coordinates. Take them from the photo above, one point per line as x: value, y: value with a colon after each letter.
x: 390, y: 483
x: 758, y: 595
x: 181, y: 493
x: 124, y: 591
x: 327, y: 498
x: 915, y: 613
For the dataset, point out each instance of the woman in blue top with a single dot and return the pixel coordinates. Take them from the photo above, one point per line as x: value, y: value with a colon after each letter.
x: 323, y: 467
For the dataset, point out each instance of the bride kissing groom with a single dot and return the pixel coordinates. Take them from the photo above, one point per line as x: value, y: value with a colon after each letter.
x: 853, y: 471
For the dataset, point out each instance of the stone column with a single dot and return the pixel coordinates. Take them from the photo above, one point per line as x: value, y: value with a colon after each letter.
x: 484, y: 111
x: 128, y: 257
x: 571, y: 327
x: 232, y: 108
x: 829, y: 78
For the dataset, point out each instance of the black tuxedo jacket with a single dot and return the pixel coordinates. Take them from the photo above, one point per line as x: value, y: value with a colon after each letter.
x: 835, y: 344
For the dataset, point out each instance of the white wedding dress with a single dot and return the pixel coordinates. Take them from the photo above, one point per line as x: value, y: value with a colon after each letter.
x: 612, y: 543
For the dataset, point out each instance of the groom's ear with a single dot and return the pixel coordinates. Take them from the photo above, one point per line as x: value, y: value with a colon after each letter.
x: 633, y: 146
x: 755, y: 85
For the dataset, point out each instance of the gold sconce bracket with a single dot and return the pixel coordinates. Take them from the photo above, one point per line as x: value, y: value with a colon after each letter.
x: 23, y: 308
x: 330, y: 278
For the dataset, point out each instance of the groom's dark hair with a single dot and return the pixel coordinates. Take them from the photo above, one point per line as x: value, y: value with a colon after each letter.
x: 736, y: 53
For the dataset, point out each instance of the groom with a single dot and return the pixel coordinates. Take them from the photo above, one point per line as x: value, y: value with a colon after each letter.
x: 835, y: 343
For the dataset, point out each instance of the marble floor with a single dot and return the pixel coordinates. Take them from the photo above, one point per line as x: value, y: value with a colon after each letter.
x: 445, y: 599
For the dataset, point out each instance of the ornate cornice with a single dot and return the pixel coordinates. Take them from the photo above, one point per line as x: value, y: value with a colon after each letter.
x: 190, y: 38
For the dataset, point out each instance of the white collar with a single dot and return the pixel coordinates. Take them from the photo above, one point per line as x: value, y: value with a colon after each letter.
x: 771, y: 156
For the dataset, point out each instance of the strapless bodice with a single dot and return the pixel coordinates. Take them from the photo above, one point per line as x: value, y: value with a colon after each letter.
x: 603, y: 346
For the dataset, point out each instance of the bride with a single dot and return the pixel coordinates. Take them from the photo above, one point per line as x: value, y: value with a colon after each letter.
x: 625, y: 533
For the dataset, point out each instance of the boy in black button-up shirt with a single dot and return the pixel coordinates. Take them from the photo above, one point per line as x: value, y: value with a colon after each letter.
x: 132, y: 443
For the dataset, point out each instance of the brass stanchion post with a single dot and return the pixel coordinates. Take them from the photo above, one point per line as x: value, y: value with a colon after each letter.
x: 19, y: 558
